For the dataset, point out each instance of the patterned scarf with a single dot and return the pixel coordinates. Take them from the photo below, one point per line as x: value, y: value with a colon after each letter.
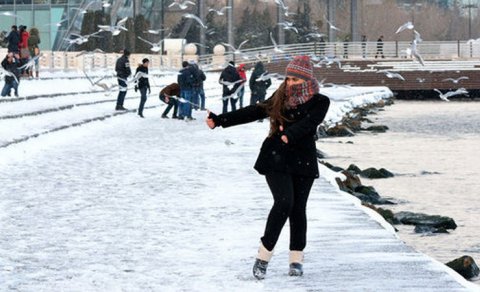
x: 301, y: 93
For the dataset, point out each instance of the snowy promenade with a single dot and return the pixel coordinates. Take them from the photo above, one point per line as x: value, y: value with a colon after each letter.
x: 130, y: 204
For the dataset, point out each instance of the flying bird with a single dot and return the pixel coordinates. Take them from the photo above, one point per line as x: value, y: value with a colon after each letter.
x: 407, y: 25
x: 221, y: 11
x: 415, y: 52
x: 445, y: 96
x: 331, y: 25
x: 155, y: 46
x: 31, y: 63
x: 196, y: 18
x: 235, y: 50
x: 392, y: 75
x: 275, y: 45
x: 456, y: 80
x: 182, y: 5
x: 114, y: 29
x: 84, y: 10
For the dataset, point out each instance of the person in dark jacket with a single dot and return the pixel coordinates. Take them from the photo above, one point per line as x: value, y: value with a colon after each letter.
x: 259, y: 84
x: 169, y: 95
x: 12, y: 76
x: 231, y: 81
x: 122, y: 67
x: 13, y: 39
x: 142, y: 84
x: 287, y: 157
x: 186, y: 81
x: 380, y: 47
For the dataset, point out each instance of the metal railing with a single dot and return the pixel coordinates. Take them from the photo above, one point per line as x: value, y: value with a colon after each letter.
x: 449, y: 50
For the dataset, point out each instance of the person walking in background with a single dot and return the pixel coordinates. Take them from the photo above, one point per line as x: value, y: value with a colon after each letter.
x: 230, y: 80
x: 287, y: 157
x: 13, y: 39
x: 12, y: 79
x: 142, y: 84
x: 33, y: 47
x: 198, y: 97
x: 379, y: 47
x: 243, y: 76
x: 345, y: 47
x: 259, y: 84
x: 23, y: 47
x: 364, y: 46
x: 170, y: 95
x: 321, y: 46
x: 122, y: 68
x: 186, y: 80
x: 201, y: 91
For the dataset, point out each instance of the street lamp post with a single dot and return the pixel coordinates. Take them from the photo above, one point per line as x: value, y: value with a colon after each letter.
x: 469, y: 6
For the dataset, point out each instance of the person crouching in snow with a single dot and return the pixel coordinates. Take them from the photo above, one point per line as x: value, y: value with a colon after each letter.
x: 142, y: 84
x: 287, y: 157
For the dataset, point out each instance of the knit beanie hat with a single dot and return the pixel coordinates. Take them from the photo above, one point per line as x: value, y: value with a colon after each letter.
x: 300, y: 67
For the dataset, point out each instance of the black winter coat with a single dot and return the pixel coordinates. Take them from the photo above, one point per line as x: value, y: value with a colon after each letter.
x: 122, y: 67
x: 13, y: 39
x: 230, y: 74
x: 143, y: 81
x: 259, y: 88
x: 11, y: 67
x: 299, y: 156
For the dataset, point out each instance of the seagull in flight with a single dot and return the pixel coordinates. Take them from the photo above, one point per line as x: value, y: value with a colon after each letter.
x: 156, y: 31
x: 288, y: 26
x: 456, y: 80
x: 445, y: 96
x: 114, y: 29
x: 196, y: 18
x: 407, y: 25
x: 58, y: 24
x: 182, y: 5
x: 275, y: 45
x: 236, y: 51
x: 155, y: 46
x: 415, y: 52
x: 80, y: 39
x: 332, y: 26
x: 392, y: 75
x: 84, y: 10
x: 221, y: 11
x: 266, y: 76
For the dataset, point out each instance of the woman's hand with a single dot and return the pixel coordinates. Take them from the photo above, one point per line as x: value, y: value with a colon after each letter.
x: 209, y: 121
x: 284, y: 138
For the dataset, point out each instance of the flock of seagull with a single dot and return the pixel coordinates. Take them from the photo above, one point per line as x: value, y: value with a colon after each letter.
x: 116, y: 29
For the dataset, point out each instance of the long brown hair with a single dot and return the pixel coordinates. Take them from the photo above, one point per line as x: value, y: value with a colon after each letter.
x: 275, y: 108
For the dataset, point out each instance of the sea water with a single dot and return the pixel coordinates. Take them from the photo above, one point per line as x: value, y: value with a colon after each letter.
x: 433, y: 148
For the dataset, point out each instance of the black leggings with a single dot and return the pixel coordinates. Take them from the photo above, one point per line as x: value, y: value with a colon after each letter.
x: 290, y: 195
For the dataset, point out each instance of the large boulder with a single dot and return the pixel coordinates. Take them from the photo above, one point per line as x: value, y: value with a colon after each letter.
x: 429, y: 229
x: 373, y: 173
x: 354, y: 169
x: 436, y: 221
x: 340, y: 131
x: 465, y: 266
x: 377, y: 129
x: 369, y: 194
x: 385, y: 213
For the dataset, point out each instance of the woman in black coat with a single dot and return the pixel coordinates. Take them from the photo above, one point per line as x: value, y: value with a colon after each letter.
x: 287, y: 157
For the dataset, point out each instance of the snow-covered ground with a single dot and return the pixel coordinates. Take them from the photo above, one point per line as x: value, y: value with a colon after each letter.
x: 129, y: 204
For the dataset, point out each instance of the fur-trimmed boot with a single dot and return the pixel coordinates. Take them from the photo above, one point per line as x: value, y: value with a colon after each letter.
x: 261, y: 262
x: 296, y: 263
